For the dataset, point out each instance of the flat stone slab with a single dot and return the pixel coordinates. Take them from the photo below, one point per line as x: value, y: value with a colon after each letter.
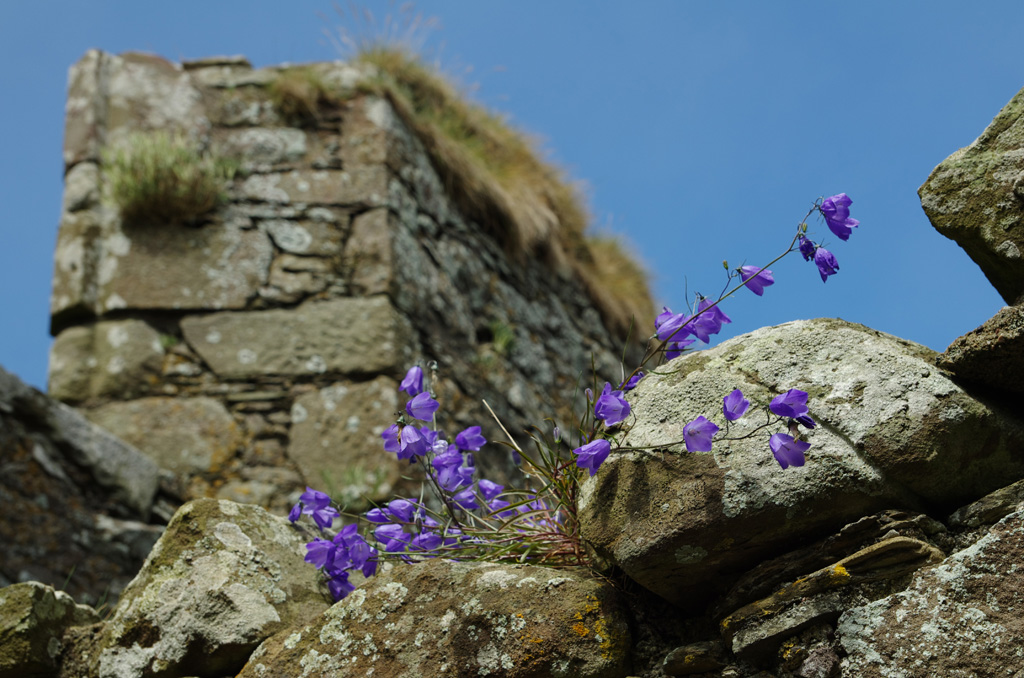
x: 991, y: 355
x: 184, y: 435
x: 346, y: 336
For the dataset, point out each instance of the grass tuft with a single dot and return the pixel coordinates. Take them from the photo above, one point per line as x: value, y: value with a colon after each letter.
x: 497, y: 177
x: 158, y: 177
x: 301, y: 96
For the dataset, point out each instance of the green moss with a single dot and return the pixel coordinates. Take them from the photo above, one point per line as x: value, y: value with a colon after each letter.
x: 158, y: 177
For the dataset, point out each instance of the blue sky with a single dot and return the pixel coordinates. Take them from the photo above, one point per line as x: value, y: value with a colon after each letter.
x: 702, y: 130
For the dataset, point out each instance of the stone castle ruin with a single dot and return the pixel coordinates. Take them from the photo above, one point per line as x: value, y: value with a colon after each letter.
x: 259, y: 350
x: 214, y: 364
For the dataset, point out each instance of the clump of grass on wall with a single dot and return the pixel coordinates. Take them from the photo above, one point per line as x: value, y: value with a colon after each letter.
x: 497, y: 177
x: 300, y: 94
x: 160, y: 177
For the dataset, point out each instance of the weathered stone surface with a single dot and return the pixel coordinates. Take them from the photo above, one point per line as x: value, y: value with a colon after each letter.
x: 103, y: 266
x: 223, y: 578
x: 757, y: 629
x: 81, y: 187
x: 368, y: 252
x: 358, y: 186
x: 335, y: 439
x: 770, y: 575
x: 975, y: 197
x: 960, y: 618
x: 158, y: 266
x: 350, y: 336
x: 695, y: 658
x: 993, y: 354
x: 182, y: 435
x: 120, y: 357
x: 33, y: 618
x: 260, y: 148
x: 460, y: 619
x: 893, y: 431
x: 293, y: 278
x: 114, y: 465
x: 991, y: 508
x: 72, y: 498
x: 110, y: 96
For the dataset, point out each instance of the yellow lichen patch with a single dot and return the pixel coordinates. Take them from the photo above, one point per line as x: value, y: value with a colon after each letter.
x: 841, y: 571
x: 579, y: 629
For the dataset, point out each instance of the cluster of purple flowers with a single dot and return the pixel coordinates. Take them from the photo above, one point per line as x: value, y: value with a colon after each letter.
x: 836, y: 211
x: 404, y: 527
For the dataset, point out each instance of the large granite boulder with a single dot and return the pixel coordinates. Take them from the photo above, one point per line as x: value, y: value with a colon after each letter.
x: 976, y: 197
x: 460, y: 619
x: 894, y: 432
x: 960, y: 618
x: 223, y: 578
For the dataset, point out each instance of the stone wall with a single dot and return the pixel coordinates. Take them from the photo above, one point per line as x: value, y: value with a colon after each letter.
x: 261, y: 350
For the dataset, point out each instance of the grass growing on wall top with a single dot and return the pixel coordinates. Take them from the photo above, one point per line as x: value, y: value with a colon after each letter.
x: 159, y: 177
x: 497, y: 177
x: 300, y: 94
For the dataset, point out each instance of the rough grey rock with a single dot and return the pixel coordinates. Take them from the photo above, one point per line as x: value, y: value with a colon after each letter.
x: 335, y: 439
x: 975, y: 197
x: 33, y: 618
x: 183, y: 435
x: 223, y: 578
x: 114, y: 358
x: 991, y: 355
x: 350, y: 336
x: 73, y: 497
x: 360, y: 186
x: 461, y: 619
x: 257, y: 149
x: 128, y: 475
x: 894, y: 431
x: 991, y: 508
x: 960, y: 618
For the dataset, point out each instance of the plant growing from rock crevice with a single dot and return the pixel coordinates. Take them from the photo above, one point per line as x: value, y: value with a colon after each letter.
x: 160, y: 178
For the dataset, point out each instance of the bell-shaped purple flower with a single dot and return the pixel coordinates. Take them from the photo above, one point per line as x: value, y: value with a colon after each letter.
x: 792, y: 404
x: 339, y: 586
x: 611, y: 407
x: 412, y: 444
x: 756, y: 278
x: 805, y: 421
x: 470, y: 439
x: 318, y: 505
x: 422, y: 407
x: 709, y: 321
x: 698, y: 434
x: 674, y: 349
x: 402, y: 509
x: 592, y: 455
x: 734, y: 405
x: 490, y: 489
x: 836, y: 210
x: 826, y: 263
x: 466, y: 499
x: 807, y: 248
x: 391, y: 442
x: 672, y: 325
x: 788, y: 452
x: 319, y: 552
x: 413, y: 381
x: 633, y: 381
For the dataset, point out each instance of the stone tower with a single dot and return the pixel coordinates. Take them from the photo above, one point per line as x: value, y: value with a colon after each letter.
x: 260, y: 350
